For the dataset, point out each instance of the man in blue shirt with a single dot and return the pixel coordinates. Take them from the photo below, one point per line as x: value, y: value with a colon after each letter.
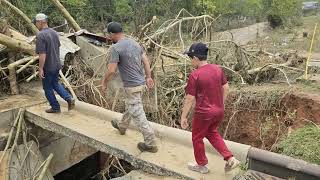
x: 47, y: 47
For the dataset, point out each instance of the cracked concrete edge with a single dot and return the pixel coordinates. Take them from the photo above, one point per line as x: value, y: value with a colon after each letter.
x: 137, y: 174
x: 135, y: 161
x: 178, y: 136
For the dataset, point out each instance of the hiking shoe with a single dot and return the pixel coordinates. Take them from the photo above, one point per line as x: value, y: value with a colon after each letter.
x: 115, y: 124
x: 231, y: 164
x: 53, y: 111
x: 198, y: 168
x: 71, y: 104
x: 143, y: 147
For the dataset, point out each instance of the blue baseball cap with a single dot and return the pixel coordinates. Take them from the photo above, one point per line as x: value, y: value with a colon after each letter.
x: 199, y: 50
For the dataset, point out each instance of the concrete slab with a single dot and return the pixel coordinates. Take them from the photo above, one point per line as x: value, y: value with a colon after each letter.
x: 171, y: 160
x: 67, y: 152
x: 139, y: 175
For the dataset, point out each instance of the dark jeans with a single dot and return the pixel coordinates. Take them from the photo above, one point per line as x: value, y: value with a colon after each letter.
x: 50, y: 84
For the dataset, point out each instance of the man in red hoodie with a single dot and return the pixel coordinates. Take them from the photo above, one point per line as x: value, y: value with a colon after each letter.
x: 208, y: 87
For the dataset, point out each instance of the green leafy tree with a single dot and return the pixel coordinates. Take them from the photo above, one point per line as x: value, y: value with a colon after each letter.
x: 123, y: 10
x: 252, y: 8
x: 288, y: 12
x: 207, y: 6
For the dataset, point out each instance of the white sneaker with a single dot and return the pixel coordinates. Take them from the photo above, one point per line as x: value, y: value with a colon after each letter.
x: 231, y: 164
x: 198, y: 168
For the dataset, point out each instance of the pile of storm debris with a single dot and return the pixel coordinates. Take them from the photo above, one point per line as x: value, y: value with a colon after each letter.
x: 85, y: 56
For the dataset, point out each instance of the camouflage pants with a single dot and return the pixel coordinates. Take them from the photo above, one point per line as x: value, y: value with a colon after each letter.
x: 135, y: 112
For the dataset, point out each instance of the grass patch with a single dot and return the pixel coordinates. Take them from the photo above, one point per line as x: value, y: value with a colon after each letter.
x: 303, y: 143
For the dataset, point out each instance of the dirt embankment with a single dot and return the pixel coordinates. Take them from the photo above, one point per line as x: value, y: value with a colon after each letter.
x: 264, y: 118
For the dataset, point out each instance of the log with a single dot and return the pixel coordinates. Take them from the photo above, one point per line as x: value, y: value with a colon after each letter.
x: 66, y: 82
x: 13, y: 75
x: 21, y: 14
x: 32, y: 76
x: 32, y: 60
x: 146, y: 28
x: 66, y: 15
x: 17, y: 44
x: 11, y: 134
x: 45, y: 167
x: 256, y: 70
x: 15, y: 35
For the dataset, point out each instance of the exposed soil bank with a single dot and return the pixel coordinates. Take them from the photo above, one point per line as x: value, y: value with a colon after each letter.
x: 260, y: 118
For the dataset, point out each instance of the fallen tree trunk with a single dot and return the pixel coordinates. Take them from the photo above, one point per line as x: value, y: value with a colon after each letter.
x: 66, y: 15
x: 13, y: 75
x: 21, y: 14
x: 15, y: 35
x: 18, y: 45
x: 265, y: 67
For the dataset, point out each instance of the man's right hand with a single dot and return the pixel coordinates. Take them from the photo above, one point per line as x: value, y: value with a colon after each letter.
x: 150, y: 83
x: 41, y: 73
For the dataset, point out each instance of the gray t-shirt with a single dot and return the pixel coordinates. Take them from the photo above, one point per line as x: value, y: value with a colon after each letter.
x: 48, y: 43
x: 128, y: 54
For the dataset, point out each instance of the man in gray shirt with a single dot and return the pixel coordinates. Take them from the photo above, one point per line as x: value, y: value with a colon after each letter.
x: 129, y: 57
x: 47, y: 47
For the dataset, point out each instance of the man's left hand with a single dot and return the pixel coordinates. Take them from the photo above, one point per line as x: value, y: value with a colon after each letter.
x: 103, y: 87
x: 184, y: 123
x: 150, y: 83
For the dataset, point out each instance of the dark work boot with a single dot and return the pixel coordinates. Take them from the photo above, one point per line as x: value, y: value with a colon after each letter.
x: 143, y: 147
x: 71, y: 104
x: 53, y: 111
x: 115, y: 124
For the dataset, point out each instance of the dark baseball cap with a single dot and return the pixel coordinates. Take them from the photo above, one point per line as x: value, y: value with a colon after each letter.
x: 113, y: 27
x: 199, y: 50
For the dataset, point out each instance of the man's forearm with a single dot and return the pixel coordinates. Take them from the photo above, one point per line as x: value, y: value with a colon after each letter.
x: 225, y: 92
x: 148, y: 71
x: 42, y: 60
x: 146, y: 65
x: 107, y: 77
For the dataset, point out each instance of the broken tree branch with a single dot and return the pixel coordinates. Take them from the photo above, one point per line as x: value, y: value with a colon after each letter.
x: 178, y: 21
x: 21, y: 14
x: 32, y: 76
x: 13, y: 74
x: 242, y: 80
x: 11, y: 134
x: 66, y: 15
x: 64, y: 79
x: 15, y: 141
x: 17, y: 44
x: 256, y: 70
x: 33, y: 59
x: 45, y: 167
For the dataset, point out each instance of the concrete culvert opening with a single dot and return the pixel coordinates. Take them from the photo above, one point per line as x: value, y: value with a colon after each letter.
x: 99, y: 166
